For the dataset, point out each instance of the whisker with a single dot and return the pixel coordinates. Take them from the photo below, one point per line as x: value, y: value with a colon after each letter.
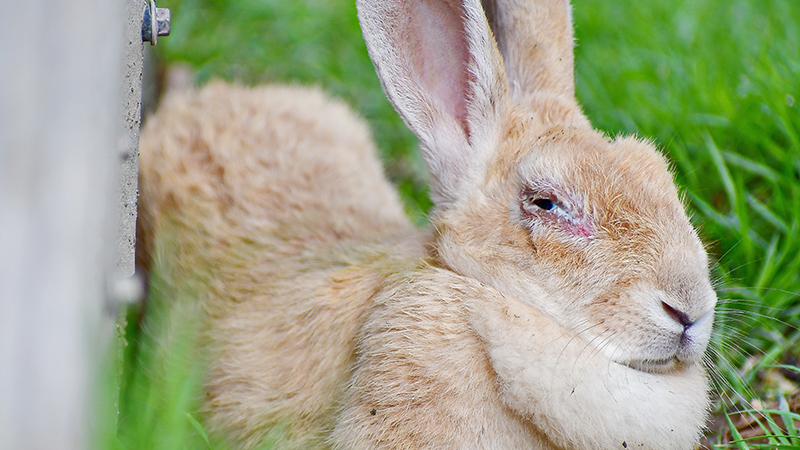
x: 719, y: 260
x: 758, y: 288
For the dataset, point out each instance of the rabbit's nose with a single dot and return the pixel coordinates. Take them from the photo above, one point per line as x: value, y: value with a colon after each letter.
x: 677, y: 315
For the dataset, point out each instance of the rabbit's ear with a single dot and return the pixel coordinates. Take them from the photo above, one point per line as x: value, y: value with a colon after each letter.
x: 441, y: 69
x: 536, y: 41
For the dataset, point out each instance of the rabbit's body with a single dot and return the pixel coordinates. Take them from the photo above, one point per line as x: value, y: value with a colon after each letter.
x: 312, y: 287
x: 561, y: 299
x: 219, y: 213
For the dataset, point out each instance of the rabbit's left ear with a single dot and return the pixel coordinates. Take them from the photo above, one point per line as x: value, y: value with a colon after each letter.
x: 440, y: 67
x: 536, y: 41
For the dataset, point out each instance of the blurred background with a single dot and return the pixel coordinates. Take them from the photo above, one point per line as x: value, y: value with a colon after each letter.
x: 715, y: 83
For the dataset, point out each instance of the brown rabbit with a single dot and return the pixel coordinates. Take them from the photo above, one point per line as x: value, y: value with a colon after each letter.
x: 560, y: 300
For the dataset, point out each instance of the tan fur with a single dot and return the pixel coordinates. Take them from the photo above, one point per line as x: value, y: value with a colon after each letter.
x: 329, y: 322
x: 244, y: 220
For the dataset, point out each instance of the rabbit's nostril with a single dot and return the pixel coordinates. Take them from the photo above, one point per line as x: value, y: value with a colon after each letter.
x: 676, y: 315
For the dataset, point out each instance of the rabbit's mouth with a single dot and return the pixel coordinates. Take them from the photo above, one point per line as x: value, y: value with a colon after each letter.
x: 670, y: 364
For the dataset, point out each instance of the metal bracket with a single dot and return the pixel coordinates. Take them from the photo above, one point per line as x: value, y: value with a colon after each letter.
x: 158, y: 21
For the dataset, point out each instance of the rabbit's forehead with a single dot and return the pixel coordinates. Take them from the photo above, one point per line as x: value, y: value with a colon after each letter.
x: 589, y: 165
x: 623, y: 185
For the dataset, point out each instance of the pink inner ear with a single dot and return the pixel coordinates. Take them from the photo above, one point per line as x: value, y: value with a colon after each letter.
x: 440, y: 55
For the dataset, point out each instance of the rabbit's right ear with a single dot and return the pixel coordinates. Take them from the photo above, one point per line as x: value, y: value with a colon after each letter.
x: 440, y: 68
x: 536, y: 41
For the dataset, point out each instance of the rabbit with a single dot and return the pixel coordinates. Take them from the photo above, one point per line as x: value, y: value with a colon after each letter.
x: 560, y: 298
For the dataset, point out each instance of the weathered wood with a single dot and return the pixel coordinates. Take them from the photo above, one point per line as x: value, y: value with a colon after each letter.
x: 60, y: 85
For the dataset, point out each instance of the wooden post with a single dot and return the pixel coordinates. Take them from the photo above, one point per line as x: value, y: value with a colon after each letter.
x: 61, y: 69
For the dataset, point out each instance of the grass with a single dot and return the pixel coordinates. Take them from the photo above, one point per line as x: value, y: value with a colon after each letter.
x: 716, y: 83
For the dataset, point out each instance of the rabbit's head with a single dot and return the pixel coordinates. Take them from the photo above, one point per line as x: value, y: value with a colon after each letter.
x: 529, y: 198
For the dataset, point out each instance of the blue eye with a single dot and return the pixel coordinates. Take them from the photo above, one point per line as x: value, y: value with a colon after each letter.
x: 544, y: 203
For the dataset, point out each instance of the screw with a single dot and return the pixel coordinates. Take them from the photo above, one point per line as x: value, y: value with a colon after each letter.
x: 158, y: 22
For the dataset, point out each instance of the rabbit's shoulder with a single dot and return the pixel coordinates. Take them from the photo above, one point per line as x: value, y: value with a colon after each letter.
x: 283, y: 333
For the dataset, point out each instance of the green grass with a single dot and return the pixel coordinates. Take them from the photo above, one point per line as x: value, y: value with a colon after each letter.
x: 716, y: 83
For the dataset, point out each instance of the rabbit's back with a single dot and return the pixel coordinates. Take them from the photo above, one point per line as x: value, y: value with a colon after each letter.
x: 282, y: 164
x: 261, y: 210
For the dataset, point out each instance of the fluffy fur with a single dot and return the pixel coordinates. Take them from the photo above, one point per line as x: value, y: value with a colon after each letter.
x: 560, y: 300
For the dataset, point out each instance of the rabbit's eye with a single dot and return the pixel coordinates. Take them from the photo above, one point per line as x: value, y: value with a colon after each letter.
x: 531, y: 203
x: 545, y: 208
x: 544, y: 203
